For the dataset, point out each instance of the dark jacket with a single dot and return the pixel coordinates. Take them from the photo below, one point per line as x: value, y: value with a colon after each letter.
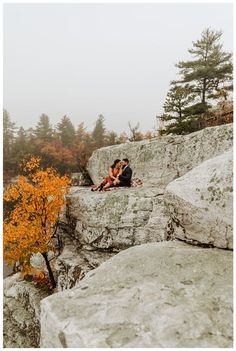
x: 125, y: 177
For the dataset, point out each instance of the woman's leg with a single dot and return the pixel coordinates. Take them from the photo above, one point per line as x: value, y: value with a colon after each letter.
x: 106, y: 186
x: 100, y: 185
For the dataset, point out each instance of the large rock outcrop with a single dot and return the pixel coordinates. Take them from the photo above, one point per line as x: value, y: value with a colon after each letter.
x: 201, y: 203
x: 102, y: 224
x: 155, y: 295
x: 21, y: 312
x: 117, y: 219
x: 167, y: 294
x: 161, y: 160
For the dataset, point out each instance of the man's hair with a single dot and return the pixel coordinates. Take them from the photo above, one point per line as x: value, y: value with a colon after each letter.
x: 126, y: 160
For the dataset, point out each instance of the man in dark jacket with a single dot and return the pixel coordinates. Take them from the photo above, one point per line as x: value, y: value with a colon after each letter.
x: 125, y: 177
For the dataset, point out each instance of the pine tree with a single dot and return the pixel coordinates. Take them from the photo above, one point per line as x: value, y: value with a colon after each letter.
x: 99, y: 132
x: 9, y: 129
x: 44, y: 129
x: 20, y: 147
x: 178, y: 110
x: 66, y: 131
x: 111, y: 138
x: 210, y: 69
x: 81, y: 132
x: 31, y: 141
x: 177, y: 100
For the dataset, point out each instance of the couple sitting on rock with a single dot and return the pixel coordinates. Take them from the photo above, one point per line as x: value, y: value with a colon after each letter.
x: 120, y: 174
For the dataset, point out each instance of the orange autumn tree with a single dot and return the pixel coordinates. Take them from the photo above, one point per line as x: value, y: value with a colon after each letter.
x: 36, y: 199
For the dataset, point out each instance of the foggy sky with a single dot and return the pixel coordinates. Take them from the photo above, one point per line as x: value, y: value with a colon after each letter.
x: 88, y: 59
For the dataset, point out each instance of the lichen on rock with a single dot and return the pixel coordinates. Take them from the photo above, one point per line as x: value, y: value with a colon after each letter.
x: 161, y: 160
x: 167, y: 294
x: 200, y: 203
x: 21, y: 312
x: 117, y: 220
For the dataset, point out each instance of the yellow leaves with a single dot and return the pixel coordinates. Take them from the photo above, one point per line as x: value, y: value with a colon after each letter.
x: 31, y: 164
x: 37, y: 199
x: 12, y: 193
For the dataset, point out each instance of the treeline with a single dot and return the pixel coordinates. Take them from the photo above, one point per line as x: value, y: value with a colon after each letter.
x: 205, y: 78
x: 63, y: 146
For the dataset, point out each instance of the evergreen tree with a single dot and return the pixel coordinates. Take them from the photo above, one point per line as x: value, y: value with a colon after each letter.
x: 81, y: 132
x: 66, y: 131
x: 44, y: 129
x: 111, y: 138
x: 99, y: 132
x: 31, y: 141
x: 179, y: 111
x: 9, y: 128
x: 177, y: 100
x: 20, y: 147
x: 210, y: 69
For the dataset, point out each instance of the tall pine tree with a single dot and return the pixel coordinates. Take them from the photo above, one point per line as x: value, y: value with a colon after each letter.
x: 9, y: 128
x: 20, y: 147
x: 44, y: 129
x: 211, y: 67
x: 66, y: 131
x: 99, y: 132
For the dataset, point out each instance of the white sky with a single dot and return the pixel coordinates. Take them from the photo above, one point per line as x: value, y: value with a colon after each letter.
x: 86, y: 59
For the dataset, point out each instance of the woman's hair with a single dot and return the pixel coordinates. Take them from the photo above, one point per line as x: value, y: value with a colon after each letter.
x: 115, y: 163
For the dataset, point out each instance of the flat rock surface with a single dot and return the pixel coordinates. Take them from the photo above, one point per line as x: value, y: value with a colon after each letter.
x: 154, y: 295
x: 201, y: 203
x: 116, y: 220
x: 163, y: 159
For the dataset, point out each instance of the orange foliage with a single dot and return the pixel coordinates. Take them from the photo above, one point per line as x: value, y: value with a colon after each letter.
x: 37, y: 201
x: 59, y: 152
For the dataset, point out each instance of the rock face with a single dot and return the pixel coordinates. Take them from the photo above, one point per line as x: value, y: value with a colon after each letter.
x: 118, y: 219
x: 74, y: 262
x: 80, y: 179
x: 105, y: 223
x: 159, y: 161
x: 201, y: 203
x: 21, y: 313
x: 155, y: 295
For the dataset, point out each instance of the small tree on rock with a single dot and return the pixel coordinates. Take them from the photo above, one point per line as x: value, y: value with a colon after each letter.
x: 178, y: 100
x: 136, y: 135
x: 37, y: 200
